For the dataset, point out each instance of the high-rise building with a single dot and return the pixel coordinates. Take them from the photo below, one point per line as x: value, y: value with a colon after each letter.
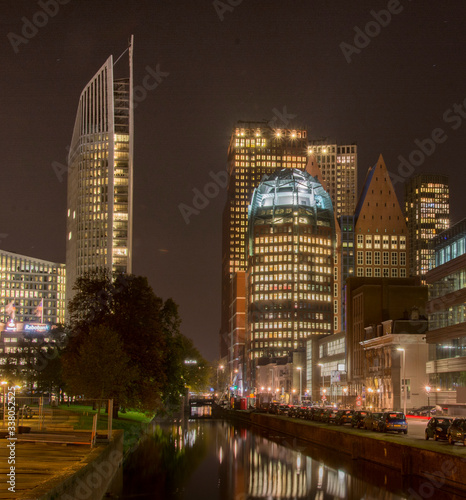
x: 100, y: 177
x: 32, y: 290
x: 446, y: 308
x: 291, y: 267
x: 339, y: 166
x: 380, y: 228
x: 427, y: 210
x: 255, y: 150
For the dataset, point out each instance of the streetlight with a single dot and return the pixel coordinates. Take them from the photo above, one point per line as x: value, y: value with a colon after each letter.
x: 300, y: 383
x: 220, y: 367
x: 370, y: 391
x: 403, y: 384
x: 4, y: 383
x: 322, y: 377
x: 428, y: 389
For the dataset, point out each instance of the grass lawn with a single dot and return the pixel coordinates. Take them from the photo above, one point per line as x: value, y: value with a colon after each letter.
x: 132, y: 422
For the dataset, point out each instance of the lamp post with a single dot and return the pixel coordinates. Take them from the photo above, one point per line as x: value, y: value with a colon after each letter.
x: 322, y: 377
x: 345, y: 392
x: 403, y: 382
x: 4, y: 384
x: 428, y: 389
x: 370, y: 391
x: 300, y: 383
x: 220, y: 367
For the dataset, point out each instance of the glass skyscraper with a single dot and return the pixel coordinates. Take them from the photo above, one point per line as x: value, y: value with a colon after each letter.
x: 427, y: 210
x: 291, y: 269
x: 100, y: 177
x: 31, y: 289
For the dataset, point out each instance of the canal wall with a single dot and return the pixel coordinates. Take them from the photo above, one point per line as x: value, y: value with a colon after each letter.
x: 439, y: 468
x: 101, y: 472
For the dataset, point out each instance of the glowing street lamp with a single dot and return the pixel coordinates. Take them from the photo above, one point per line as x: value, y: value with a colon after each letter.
x: 4, y: 384
x: 220, y: 367
x: 403, y: 384
x: 428, y: 389
x: 300, y: 383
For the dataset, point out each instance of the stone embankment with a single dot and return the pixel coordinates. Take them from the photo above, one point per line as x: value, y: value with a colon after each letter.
x: 406, y: 458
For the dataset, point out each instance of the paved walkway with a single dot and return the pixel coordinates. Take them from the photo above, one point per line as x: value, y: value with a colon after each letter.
x: 37, y: 463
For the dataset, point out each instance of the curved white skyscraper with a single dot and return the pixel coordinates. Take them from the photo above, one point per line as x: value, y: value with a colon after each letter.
x: 100, y: 177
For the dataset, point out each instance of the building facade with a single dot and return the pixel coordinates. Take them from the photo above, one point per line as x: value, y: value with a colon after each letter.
x: 291, y: 266
x: 371, y: 301
x: 446, y: 367
x: 255, y: 150
x: 339, y: 166
x: 427, y: 210
x: 25, y: 349
x: 395, y: 356
x: 100, y: 178
x: 32, y: 290
x: 380, y: 228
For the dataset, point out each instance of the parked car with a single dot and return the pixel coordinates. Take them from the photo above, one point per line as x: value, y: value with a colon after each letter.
x: 393, y: 421
x: 343, y: 417
x: 437, y: 428
x: 284, y: 409
x: 372, y: 420
x: 457, y: 431
x: 274, y: 408
x: 329, y: 416
x: 315, y: 412
x: 301, y: 411
x: 357, y: 420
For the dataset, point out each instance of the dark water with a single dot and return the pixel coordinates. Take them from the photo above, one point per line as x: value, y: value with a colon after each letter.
x: 213, y: 459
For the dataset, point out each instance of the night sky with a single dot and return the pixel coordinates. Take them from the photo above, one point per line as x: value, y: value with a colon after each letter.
x: 243, y: 60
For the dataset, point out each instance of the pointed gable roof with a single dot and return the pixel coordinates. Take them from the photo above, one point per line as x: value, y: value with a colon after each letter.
x: 378, y: 204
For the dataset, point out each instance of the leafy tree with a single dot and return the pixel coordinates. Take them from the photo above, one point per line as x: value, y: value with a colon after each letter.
x: 99, y: 368
x: 149, y: 331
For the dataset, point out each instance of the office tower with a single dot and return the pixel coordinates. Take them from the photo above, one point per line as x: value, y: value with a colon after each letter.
x: 291, y: 265
x: 32, y: 290
x: 380, y: 228
x: 100, y: 177
x: 427, y: 210
x: 446, y: 367
x: 339, y: 166
x: 255, y: 150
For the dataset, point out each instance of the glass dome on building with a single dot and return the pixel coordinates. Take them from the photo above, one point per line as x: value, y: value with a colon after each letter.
x: 290, y: 188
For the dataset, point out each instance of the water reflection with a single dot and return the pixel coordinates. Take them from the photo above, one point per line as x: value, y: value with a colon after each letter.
x: 216, y: 460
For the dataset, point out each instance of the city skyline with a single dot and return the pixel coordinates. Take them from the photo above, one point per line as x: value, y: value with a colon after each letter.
x: 399, y: 94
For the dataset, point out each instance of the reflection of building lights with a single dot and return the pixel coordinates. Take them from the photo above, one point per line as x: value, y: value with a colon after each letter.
x: 220, y: 455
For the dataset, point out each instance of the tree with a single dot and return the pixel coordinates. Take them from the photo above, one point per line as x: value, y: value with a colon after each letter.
x: 99, y: 368
x: 149, y: 331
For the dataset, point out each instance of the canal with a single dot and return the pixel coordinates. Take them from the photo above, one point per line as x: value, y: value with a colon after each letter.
x: 216, y: 459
